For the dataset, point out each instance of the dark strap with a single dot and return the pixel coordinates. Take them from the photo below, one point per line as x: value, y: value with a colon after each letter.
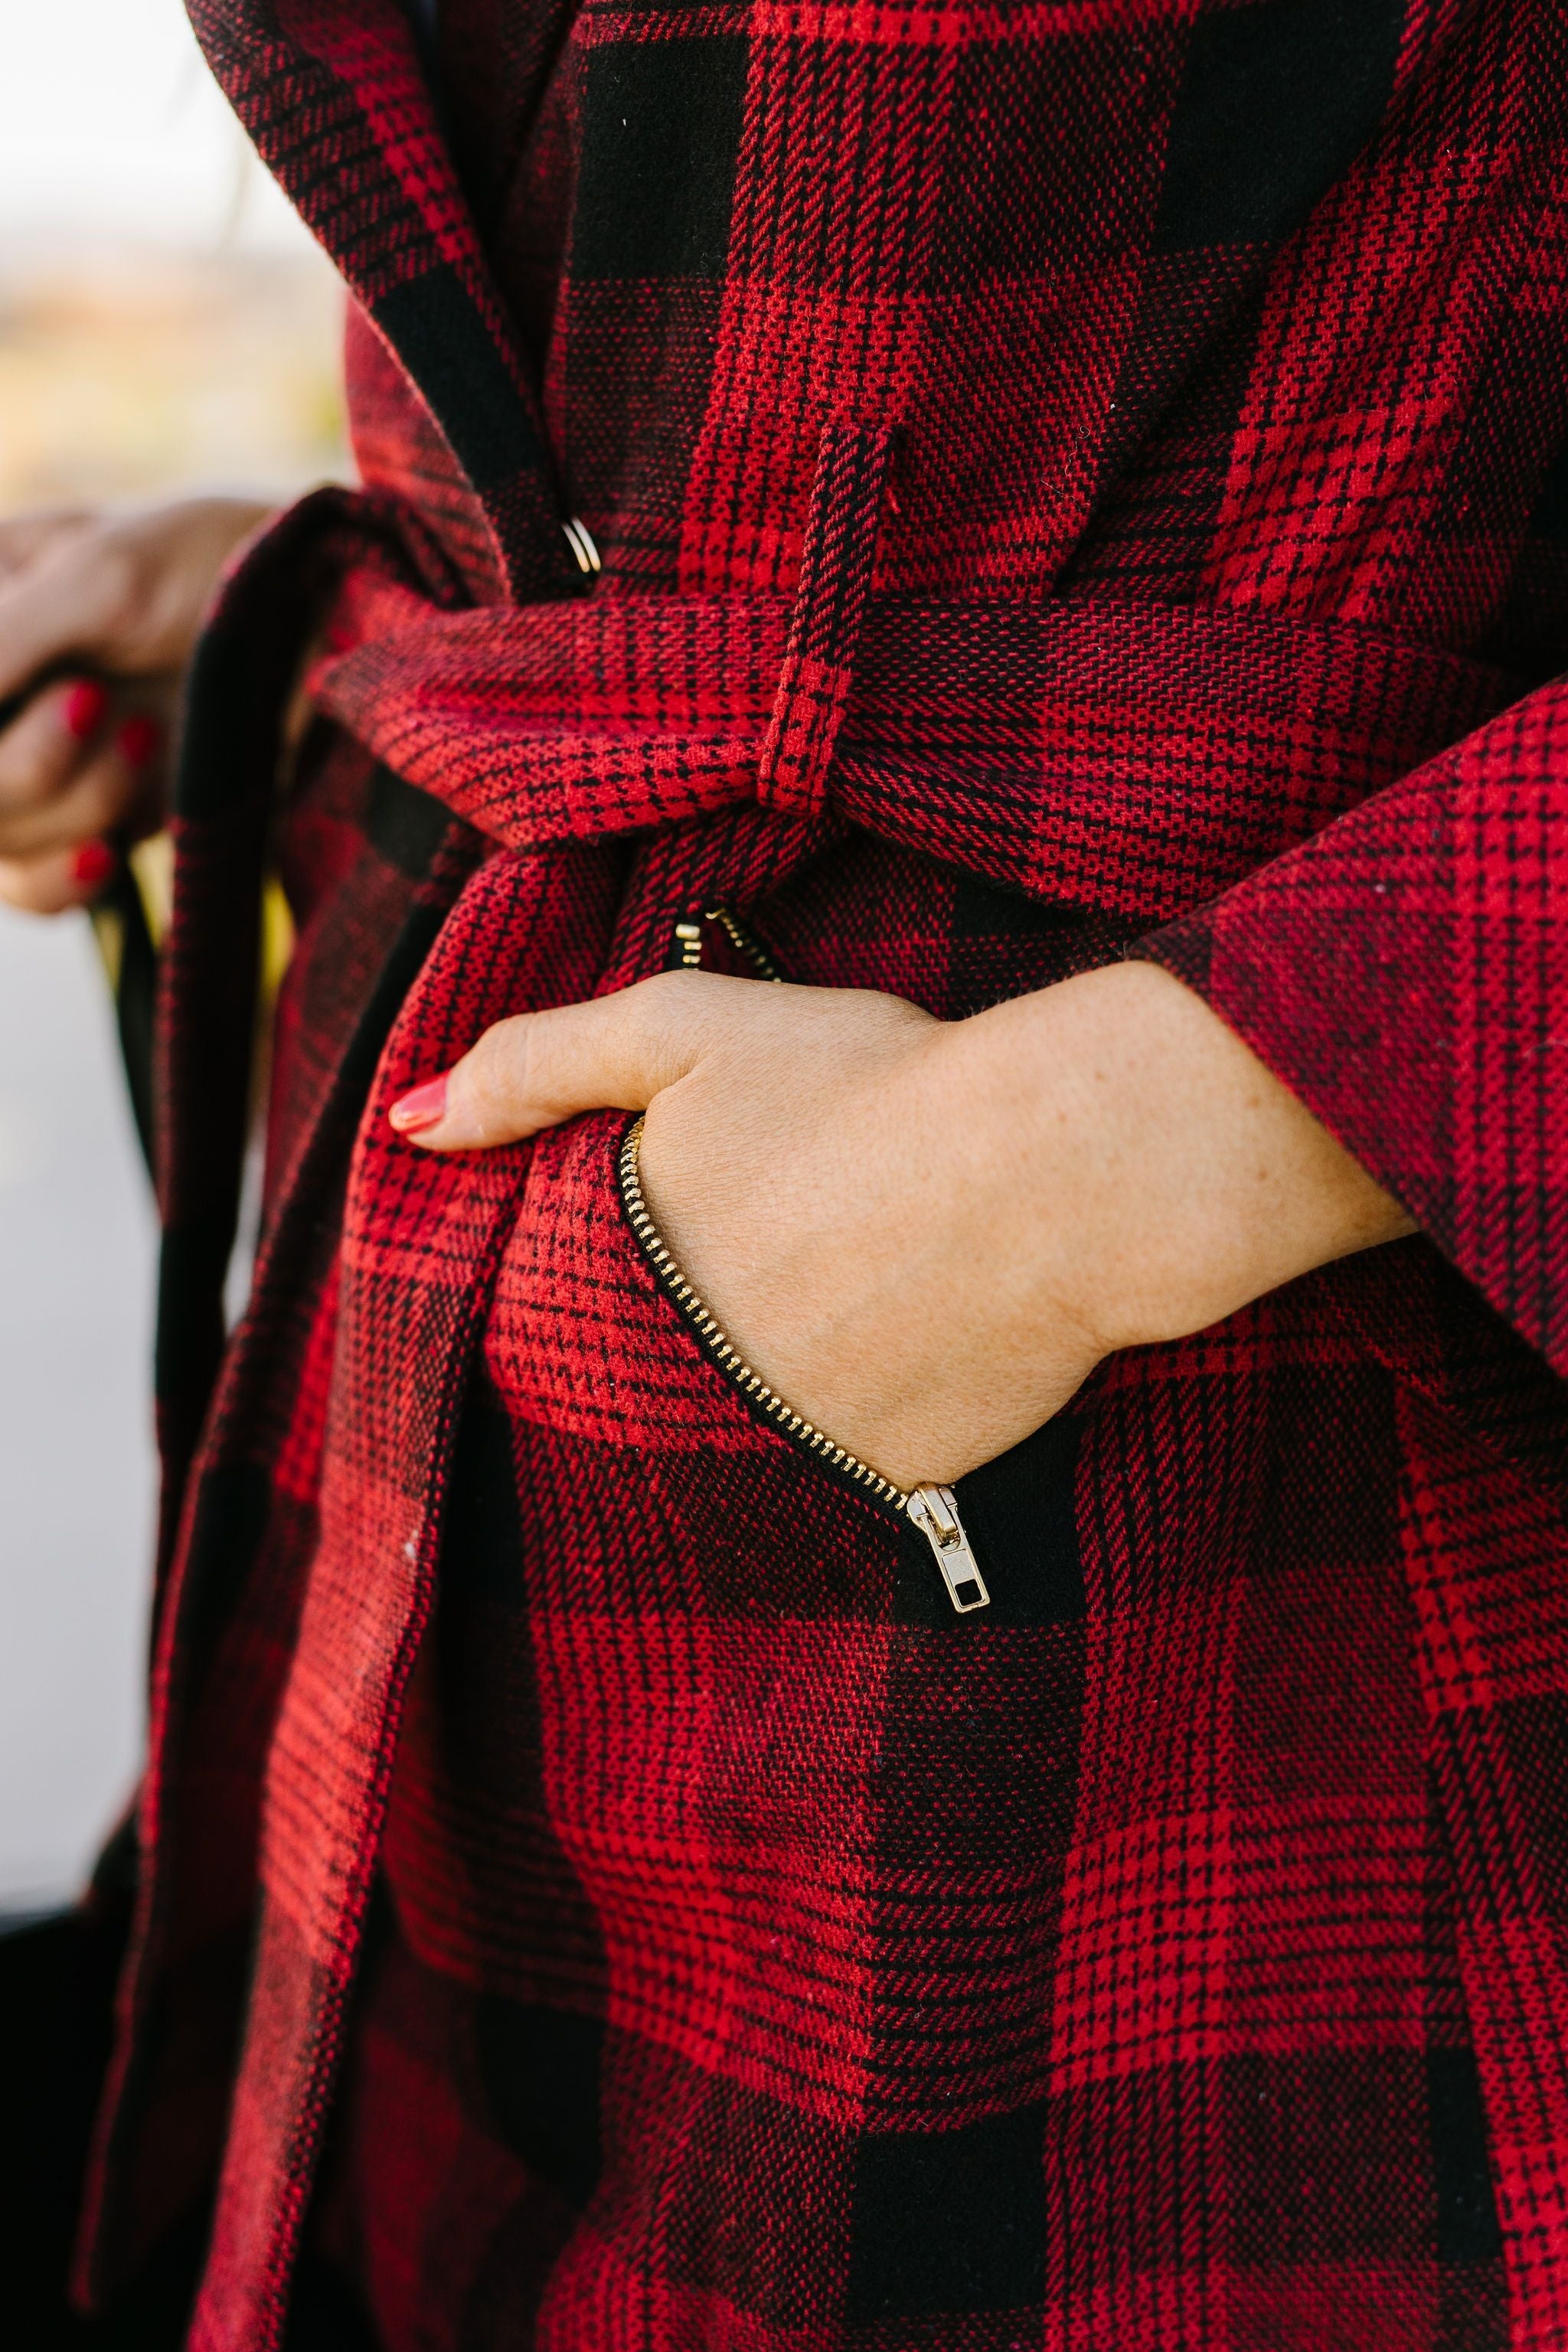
x: 131, y: 964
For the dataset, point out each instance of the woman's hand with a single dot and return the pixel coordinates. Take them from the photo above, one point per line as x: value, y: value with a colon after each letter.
x: 925, y: 1235
x: 98, y: 617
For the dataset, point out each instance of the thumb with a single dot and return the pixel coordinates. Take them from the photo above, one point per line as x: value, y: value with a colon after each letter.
x: 613, y: 1052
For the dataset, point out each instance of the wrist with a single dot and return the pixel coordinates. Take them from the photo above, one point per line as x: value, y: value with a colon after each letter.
x: 1160, y: 1175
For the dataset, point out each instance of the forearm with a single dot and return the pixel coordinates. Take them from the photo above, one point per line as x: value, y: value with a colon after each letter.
x: 1160, y: 1176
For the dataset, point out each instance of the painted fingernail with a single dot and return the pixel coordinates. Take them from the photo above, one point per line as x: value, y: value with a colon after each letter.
x: 92, y: 866
x: 420, y: 1107
x: 84, y: 708
x: 139, y: 739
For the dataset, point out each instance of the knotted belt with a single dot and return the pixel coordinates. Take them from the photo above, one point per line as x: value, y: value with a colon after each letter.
x: 1130, y: 757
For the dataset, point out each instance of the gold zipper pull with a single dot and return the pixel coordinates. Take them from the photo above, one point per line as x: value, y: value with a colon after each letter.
x: 935, y: 1513
x: 688, y: 946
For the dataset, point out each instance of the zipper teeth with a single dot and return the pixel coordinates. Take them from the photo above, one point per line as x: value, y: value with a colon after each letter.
x: 785, y: 1417
x: 745, y: 944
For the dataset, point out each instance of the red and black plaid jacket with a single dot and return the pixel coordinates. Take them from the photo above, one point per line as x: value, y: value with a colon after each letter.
x: 1070, y: 480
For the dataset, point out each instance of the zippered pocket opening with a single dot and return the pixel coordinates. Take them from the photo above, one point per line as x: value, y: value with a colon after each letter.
x: 930, y: 1508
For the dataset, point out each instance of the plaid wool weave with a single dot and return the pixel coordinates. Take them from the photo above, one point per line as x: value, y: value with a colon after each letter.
x: 1071, y: 480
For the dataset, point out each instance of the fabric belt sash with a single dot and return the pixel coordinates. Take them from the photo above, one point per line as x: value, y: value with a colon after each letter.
x: 1132, y: 757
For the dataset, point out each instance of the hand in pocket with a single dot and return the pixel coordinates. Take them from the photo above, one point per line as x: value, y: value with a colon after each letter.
x: 925, y: 1235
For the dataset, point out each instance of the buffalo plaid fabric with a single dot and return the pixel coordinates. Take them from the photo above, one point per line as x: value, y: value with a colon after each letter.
x: 1070, y: 481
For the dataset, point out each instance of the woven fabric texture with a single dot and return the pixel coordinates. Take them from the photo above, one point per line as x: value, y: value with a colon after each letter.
x: 1070, y: 481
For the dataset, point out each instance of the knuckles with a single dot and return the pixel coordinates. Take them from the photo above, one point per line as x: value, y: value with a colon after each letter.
x: 118, y: 577
x: 492, y: 1079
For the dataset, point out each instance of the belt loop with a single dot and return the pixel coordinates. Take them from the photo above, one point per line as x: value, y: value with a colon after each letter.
x: 837, y: 558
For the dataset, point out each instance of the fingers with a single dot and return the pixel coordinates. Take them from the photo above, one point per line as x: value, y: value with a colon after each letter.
x: 615, y: 1053
x: 52, y: 884
x: 70, y: 770
x: 45, y: 742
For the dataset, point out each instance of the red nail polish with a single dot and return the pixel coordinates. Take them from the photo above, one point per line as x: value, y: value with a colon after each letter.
x: 84, y: 708
x: 139, y: 739
x: 420, y: 1107
x: 92, y: 866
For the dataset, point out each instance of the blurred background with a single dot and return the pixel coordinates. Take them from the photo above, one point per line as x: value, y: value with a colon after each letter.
x: 166, y: 324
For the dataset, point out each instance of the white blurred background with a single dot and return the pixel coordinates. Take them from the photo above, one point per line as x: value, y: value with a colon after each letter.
x: 164, y: 322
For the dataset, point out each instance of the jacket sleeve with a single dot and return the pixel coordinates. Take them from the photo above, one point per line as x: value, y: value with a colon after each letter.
x: 1405, y: 973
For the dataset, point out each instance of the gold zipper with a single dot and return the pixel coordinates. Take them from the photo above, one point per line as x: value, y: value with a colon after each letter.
x: 688, y: 943
x: 932, y: 1509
